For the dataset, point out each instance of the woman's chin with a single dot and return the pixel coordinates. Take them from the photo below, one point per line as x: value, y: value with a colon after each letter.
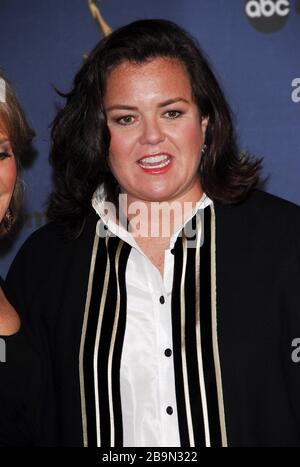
x: 154, y: 196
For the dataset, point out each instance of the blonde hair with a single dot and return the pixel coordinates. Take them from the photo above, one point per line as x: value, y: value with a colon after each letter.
x: 13, y: 120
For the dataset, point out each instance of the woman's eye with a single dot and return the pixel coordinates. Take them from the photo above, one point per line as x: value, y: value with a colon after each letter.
x: 173, y: 114
x: 4, y: 155
x: 127, y: 120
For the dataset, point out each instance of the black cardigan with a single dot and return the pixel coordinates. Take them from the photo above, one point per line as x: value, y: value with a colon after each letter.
x: 258, y: 306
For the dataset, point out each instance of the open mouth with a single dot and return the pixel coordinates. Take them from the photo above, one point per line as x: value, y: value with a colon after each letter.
x: 155, y: 162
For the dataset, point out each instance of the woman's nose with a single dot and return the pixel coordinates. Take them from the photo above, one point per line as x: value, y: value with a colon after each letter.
x: 152, y: 132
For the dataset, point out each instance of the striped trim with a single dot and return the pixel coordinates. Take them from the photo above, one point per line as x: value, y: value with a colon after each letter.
x: 83, y: 334
x: 183, y: 347
x: 198, y: 337
x: 101, y: 344
x: 194, y: 326
x: 215, y: 329
x: 111, y: 349
x: 96, y: 348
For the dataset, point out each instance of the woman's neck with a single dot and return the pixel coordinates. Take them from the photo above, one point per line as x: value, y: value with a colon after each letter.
x: 9, y: 319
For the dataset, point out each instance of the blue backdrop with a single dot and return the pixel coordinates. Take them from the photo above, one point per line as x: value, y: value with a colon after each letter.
x: 253, y: 46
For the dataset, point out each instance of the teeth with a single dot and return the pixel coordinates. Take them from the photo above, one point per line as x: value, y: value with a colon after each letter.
x: 155, y: 166
x: 154, y: 159
x: 155, y: 162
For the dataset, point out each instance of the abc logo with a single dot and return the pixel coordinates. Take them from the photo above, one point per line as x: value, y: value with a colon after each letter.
x: 296, y: 91
x: 268, y: 15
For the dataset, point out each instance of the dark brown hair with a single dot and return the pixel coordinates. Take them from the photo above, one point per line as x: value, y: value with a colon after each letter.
x: 13, y: 121
x: 81, y: 138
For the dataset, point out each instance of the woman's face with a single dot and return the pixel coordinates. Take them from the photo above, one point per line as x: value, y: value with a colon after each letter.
x: 8, y: 172
x: 156, y: 131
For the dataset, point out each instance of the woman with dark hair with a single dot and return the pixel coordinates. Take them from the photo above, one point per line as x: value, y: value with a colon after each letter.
x: 81, y: 138
x: 164, y: 295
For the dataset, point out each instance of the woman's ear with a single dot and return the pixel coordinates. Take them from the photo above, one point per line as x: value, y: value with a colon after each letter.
x: 204, y: 124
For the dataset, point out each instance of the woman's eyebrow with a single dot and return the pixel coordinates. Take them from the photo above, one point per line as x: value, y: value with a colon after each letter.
x: 161, y: 104
x: 121, y: 107
x: 173, y: 101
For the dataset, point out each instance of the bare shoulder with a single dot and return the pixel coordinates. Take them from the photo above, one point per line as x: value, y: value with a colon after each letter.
x: 9, y: 318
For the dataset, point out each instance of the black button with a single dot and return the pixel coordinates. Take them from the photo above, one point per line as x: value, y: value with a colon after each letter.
x: 105, y: 227
x: 173, y: 251
x: 169, y: 410
x: 162, y: 299
x: 168, y: 352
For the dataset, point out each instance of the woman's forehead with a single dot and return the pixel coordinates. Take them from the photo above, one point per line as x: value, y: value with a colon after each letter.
x: 159, y: 63
x: 138, y: 78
